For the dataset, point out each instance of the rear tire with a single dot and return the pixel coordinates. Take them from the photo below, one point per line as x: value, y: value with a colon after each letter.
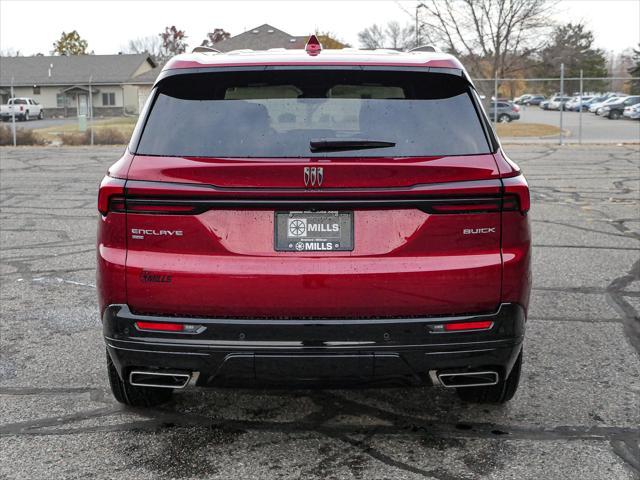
x: 614, y: 115
x: 26, y: 116
x: 504, y: 118
x: 500, y: 393
x: 41, y: 115
x: 134, y: 396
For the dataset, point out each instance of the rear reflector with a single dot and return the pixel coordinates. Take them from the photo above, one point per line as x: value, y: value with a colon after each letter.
x: 168, y: 327
x: 456, y: 327
x: 160, y: 326
x: 461, y: 326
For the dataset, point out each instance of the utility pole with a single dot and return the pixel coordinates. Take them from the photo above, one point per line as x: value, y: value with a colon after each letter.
x: 561, y: 96
x: 91, y: 109
x: 13, y: 114
x: 580, y: 112
x: 495, y: 100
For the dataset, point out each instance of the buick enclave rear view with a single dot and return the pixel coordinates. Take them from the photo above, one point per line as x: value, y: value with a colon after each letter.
x: 313, y: 218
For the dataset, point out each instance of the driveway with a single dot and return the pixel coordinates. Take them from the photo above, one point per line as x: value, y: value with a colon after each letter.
x: 47, y: 122
x: 576, y: 414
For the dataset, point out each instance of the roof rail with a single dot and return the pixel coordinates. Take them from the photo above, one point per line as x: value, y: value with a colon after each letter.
x: 203, y: 49
x: 424, y: 48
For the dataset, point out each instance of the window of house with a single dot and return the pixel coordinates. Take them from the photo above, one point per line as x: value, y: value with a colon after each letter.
x: 108, y: 99
x: 61, y: 100
x: 36, y: 90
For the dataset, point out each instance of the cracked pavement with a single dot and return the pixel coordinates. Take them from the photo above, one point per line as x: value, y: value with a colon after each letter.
x: 576, y: 414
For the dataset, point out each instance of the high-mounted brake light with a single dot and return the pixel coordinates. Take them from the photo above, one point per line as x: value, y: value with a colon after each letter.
x: 313, y: 46
x: 110, y: 189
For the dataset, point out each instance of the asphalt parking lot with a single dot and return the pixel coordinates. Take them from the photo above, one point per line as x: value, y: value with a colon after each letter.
x: 576, y: 415
x: 595, y: 129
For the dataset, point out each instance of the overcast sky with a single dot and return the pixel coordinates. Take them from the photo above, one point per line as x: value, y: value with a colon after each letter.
x: 32, y: 26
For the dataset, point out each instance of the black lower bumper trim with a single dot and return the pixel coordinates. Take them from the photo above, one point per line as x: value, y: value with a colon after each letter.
x: 241, y: 352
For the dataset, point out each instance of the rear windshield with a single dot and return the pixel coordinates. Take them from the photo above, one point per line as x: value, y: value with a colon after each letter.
x: 281, y: 113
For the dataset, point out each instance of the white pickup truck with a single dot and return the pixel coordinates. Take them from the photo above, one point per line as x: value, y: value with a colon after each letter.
x: 24, y: 108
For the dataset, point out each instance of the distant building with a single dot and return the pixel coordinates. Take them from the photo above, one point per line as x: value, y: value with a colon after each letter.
x: 119, y: 84
x: 265, y: 37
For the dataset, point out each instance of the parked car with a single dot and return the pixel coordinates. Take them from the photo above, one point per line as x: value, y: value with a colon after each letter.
x: 557, y: 101
x: 24, y: 108
x: 534, y: 100
x: 577, y: 103
x: 313, y: 224
x: 587, y: 104
x: 544, y: 104
x: 614, y: 110
x: 522, y: 99
x: 506, y: 111
x: 609, y: 101
x: 595, y: 107
x: 632, y: 111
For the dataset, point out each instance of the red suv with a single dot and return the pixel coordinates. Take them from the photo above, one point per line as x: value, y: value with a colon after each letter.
x: 310, y: 217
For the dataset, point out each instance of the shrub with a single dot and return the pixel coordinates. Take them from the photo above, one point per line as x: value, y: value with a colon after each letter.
x: 101, y: 136
x: 23, y: 137
x: 109, y: 136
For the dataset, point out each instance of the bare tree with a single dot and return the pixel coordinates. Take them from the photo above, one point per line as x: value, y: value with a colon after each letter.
x: 173, y: 42
x: 214, y: 37
x: 493, y: 35
x: 10, y: 52
x: 151, y: 45
x: 393, y: 35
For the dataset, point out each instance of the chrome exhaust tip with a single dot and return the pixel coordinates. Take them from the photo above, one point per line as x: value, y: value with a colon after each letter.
x: 468, y: 379
x: 159, y: 379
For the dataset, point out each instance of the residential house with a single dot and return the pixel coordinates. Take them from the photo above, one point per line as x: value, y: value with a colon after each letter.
x: 265, y: 37
x: 63, y: 84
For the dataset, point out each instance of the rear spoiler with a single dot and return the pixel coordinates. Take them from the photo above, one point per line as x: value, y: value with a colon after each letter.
x: 457, y: 72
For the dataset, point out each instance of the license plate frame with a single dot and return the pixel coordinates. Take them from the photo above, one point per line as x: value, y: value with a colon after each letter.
x: 314, y: 231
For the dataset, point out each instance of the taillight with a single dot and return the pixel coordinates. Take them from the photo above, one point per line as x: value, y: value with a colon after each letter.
x: 149, y: 207
x: 517, y: 188
x: 467, y: 206
x: 111, y: 191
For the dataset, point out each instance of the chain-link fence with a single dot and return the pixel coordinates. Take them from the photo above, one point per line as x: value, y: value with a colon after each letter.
x: 563, y: 109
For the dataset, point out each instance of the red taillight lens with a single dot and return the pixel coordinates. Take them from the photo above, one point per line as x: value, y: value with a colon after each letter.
x: 160, y: 326
x: 470, y: 207
x: 517, y: 187
x: 169, y: 327
x: 110, y: 188
x: 456, y: 327
x: 138, y: 206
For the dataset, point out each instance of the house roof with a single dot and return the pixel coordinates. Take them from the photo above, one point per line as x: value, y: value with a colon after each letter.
x: 261, y: 38
x: 148, y: 77
x: 70, y: 70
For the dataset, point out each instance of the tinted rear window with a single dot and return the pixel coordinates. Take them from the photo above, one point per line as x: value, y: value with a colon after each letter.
x: 278, y: 114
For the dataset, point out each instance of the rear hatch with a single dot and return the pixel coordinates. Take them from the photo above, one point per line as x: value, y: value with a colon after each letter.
x: 313, y: 193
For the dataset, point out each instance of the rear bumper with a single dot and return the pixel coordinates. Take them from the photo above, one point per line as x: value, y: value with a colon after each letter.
x: 259, y: 352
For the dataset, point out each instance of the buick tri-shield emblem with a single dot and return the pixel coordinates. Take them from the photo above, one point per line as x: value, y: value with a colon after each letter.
x: 313, y: 176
